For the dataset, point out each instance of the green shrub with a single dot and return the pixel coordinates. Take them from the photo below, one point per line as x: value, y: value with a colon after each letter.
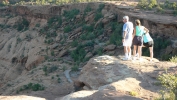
x: 71, y: 14
x: 32, y: 86
x: 59, y: 20
x: 64, y: 68
x: 145, y: 52
x: 175, y: 12
x: 88, y: 28
x: 23, y: 24
x: 75, y: 68
x: 166, y: 96
x: 174, y: 6
x: 78, y: 54
x: 99, y: 51
x: 46, y: 57
x: 160, y: 9
x: 170, y: 5
x: 52, y: 53
x: 133, y: 93
x: 74, y: 43
x: 169, y: 81
x: 67, y: 29
x: 45, y: 70
x: 87, y: 9
x: 18, y: 40
x: 153, y: 3
x: 49, y: 41
x: 59, y: 80
x: 159, y: 44
x: 89, y: 43
x: 143, y: 4
x: 4, y: 3
x: 165, y: 57
x: 174, y: 59
x: 52, y: 77
x: 116, y: 36
x: 98, y: 32
x: 37, y: 25
x: 100, y: 8
x: 83, y: 36
x: 37, y: 87
x: 53, y: 20
x: 98, y: 15
x: 52, y: 69
x: 88, y: 36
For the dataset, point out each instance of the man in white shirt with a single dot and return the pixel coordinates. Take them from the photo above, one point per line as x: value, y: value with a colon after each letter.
x: 127, y: 37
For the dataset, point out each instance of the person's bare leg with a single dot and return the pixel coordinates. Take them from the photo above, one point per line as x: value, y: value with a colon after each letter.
x: 139, y: 51
x: 129, y: 51
x: 134, y: 50
x: 126, y: 51
x: 151, y: 52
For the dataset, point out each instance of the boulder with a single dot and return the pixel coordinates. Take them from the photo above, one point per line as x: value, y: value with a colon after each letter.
x: 90, y: 17
x: 3, y: 21
x: 33, y: 61
x: 55, y: 45
x: 13, y: 21
x: 102, y: 70
x: 88, y: 55
x: 21, y: 97
x: 77, y: 95
x: 98, y: 95
x: 109, y: 47
x: 78, y: 16
x: 105, y: 21
x: 63, y: 53
x: 98, y: 22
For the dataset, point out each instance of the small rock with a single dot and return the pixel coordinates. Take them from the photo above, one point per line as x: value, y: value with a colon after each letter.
x: 105, y: 20
x: 89, y: 55
x: 112, y: 17
x: 78, y: 16
x: 55, y: 45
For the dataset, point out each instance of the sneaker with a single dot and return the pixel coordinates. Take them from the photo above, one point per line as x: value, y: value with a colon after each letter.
x: 125, y: 59
x: 134, y: 58
x: 137, y: 55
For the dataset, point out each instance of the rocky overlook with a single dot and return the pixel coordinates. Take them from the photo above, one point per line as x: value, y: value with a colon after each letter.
x: 73, y: 52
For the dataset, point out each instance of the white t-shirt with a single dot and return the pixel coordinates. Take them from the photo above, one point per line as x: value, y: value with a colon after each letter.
x: 147, y: 38
x: 128, y: 28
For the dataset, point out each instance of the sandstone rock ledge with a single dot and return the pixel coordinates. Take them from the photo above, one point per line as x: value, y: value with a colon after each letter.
x: 110, y: 78
x: 21, y: 97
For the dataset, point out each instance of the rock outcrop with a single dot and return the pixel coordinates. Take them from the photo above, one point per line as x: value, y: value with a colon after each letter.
x: 109, y: 73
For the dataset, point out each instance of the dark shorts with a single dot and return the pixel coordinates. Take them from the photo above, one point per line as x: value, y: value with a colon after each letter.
x: 137, y: 40
x: 149, y: 44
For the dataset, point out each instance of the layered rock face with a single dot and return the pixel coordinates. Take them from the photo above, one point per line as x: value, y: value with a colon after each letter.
x: 23, y: 53
x: 157, y: 24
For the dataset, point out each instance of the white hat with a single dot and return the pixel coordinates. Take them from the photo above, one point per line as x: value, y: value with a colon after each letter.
x: 126, y: 17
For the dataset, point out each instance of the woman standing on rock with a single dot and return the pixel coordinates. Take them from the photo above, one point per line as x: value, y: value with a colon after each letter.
x: 138, y: 39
